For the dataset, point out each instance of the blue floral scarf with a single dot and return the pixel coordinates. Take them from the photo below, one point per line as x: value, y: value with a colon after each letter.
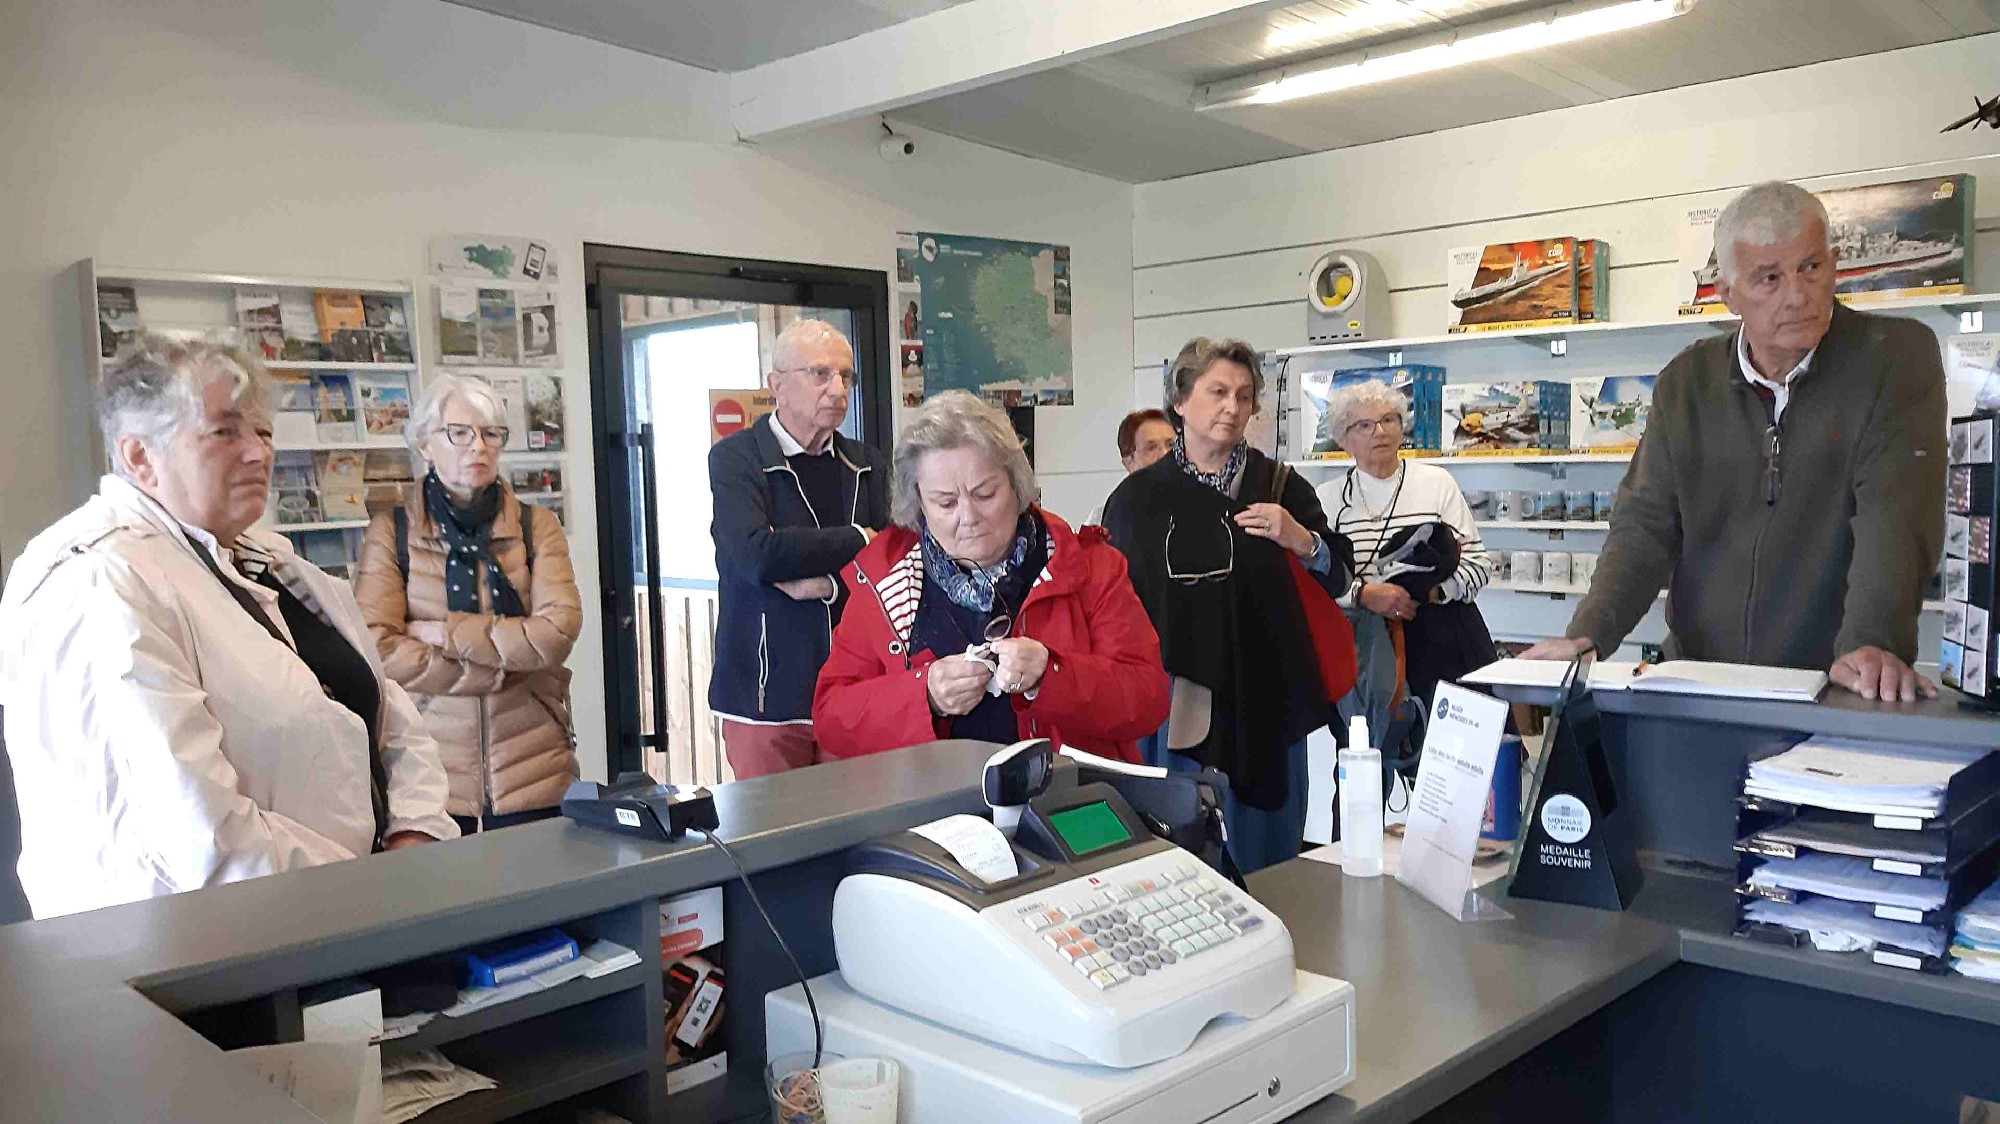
x: 1224, y: 481
x: 972, y: 586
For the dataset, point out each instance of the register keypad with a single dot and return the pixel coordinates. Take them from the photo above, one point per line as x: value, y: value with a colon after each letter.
x: 1145, y: 925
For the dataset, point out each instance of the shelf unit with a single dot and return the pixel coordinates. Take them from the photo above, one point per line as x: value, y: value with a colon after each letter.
x: 329, y: 525
x: 1541, y: 525
x: 333, y: 365
x: 1963, y: 305
x: 1528, y: 460
x: 193, y: 301
x: 574, y: 993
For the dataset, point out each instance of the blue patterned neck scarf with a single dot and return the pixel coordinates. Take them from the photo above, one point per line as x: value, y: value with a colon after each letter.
x: 972, y: 586
x: 1224, y: 481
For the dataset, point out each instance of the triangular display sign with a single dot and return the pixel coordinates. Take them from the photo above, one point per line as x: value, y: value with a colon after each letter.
x: 1576, y: 842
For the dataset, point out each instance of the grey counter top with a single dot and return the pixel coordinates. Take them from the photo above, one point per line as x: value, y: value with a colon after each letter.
x: 1839, y: 713
x: 91, y: 1032
x: 92, y: 1000
x: 1440, y: 1004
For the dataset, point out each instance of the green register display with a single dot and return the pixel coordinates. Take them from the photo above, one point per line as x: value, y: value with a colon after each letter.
x: 1092, y: 827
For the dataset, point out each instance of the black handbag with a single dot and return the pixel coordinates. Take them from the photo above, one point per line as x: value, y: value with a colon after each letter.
x: 1184, y: 809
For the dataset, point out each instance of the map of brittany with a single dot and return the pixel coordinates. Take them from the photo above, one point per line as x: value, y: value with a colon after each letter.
x: 995, y: 317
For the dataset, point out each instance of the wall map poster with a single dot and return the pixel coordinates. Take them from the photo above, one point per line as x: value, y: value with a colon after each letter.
x: 988, y: 315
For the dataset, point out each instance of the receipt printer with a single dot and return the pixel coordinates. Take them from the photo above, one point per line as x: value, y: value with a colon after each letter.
x: 1104, y: 944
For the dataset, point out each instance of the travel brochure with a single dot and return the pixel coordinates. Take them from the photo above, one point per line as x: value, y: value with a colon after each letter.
x: 533, y: 407
x: 497, y: 326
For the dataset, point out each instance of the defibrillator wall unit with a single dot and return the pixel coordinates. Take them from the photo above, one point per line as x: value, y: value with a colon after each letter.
x: 1347, y: 298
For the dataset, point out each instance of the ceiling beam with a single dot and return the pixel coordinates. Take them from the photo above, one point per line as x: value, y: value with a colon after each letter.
x: 964, y: 47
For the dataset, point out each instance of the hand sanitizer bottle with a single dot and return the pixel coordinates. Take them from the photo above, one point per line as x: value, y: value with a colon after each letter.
x: 1360, y: 803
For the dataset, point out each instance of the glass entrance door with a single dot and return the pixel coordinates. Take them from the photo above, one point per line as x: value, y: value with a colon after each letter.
x: 680, y: 347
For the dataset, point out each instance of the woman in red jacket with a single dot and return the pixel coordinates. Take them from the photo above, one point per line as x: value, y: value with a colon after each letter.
x: 980, y: 615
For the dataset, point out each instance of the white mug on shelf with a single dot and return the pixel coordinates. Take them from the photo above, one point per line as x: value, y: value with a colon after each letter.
x: 1582, y: 568
x: 1555, y: 569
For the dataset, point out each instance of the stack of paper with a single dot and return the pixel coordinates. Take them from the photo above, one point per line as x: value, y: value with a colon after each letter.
x: 1871, y: 778
x: 1975, y: 947
x: 1838, y: 926
x: 599, y: 958
x: 1850, y: 879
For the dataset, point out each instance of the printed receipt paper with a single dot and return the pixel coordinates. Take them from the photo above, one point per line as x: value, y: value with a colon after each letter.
x: 975, y: 843
x: 1449, y: 802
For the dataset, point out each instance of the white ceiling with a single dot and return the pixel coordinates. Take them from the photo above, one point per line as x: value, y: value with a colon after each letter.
x: 1128, y: 115
x: 714, y: 34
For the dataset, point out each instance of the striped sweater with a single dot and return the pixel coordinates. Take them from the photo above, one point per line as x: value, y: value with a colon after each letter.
x: 1427, y: 494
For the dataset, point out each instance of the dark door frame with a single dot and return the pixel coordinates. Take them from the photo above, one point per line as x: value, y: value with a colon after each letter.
x: 621, y: 464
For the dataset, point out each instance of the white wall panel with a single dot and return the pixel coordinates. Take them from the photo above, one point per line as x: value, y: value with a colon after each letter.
x: 219, y: 135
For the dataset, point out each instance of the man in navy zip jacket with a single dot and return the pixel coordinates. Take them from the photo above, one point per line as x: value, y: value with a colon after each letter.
x: 794, y: 502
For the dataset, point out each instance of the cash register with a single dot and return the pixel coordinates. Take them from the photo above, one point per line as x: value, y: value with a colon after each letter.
x: 1120, y: 966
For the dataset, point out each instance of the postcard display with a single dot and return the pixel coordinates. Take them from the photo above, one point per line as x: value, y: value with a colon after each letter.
x: 343, y: 370
x: 1904, y: 239
x: 497, y: 320
x: 1972, y: 506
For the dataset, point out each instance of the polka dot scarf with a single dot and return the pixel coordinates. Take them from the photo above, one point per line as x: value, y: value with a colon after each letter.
x: 467, y: 532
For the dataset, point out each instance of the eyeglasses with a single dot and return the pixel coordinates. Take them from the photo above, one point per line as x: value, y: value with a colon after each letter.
x: 819, y: 376
x: 1372, y: 426
x: 1167, y: 549
x: 461, y: 435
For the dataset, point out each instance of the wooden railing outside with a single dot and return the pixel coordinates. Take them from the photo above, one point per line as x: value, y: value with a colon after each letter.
x: 694, y: 735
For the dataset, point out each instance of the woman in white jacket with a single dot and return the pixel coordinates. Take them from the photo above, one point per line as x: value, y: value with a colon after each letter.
x: 189, y: 702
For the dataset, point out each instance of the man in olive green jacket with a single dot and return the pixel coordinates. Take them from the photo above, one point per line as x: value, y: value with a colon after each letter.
x: 1789, y: 492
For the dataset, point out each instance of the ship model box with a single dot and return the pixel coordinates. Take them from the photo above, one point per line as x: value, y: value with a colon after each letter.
x: 1902, y: 239
x: 1593, y: 281
x: 1496, y: 419
x: 1608, y: 415
x: 1422, y: 387
x: 1512, y: 285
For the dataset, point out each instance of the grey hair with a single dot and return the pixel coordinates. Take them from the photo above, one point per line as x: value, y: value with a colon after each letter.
x: 802, y: 333
x: 1769, y: 212
x: 154, y: 387
x: 1196, y: 357
x: 1344, y: 404
x: 956, y: 420
x: 439, y: 391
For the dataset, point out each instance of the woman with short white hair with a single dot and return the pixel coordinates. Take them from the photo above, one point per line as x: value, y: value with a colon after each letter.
x: 1418, y: 557
x: 473, y: 602
x: 188, y: 701
x: 982, y: 615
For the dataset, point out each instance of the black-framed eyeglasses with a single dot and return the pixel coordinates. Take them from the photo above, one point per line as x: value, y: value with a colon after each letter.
x: 820, y: 375
x: 1167, y: 549
x: 1001, y: 626
x: 1372, y: 426
x: 461, y: 435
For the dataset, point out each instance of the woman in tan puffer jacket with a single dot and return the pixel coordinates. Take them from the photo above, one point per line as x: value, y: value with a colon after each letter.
x: 474, y: 632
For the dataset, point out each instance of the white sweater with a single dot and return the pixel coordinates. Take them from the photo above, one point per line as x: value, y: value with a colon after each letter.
x: 1424, y: 493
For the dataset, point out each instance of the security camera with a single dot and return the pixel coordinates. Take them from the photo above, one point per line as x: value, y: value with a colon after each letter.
x: 897, y: 146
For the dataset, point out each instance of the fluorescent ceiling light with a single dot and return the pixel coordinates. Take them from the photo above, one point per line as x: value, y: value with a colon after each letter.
x: 1561, y: 23
x: 1374, y: 15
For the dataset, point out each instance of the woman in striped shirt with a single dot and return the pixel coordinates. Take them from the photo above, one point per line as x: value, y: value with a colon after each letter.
x: 1444, y: 635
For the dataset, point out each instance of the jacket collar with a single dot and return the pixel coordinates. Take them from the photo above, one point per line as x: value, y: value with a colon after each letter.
x: 506, y: 521
x: 893, y: 566
x: 771, y: 456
